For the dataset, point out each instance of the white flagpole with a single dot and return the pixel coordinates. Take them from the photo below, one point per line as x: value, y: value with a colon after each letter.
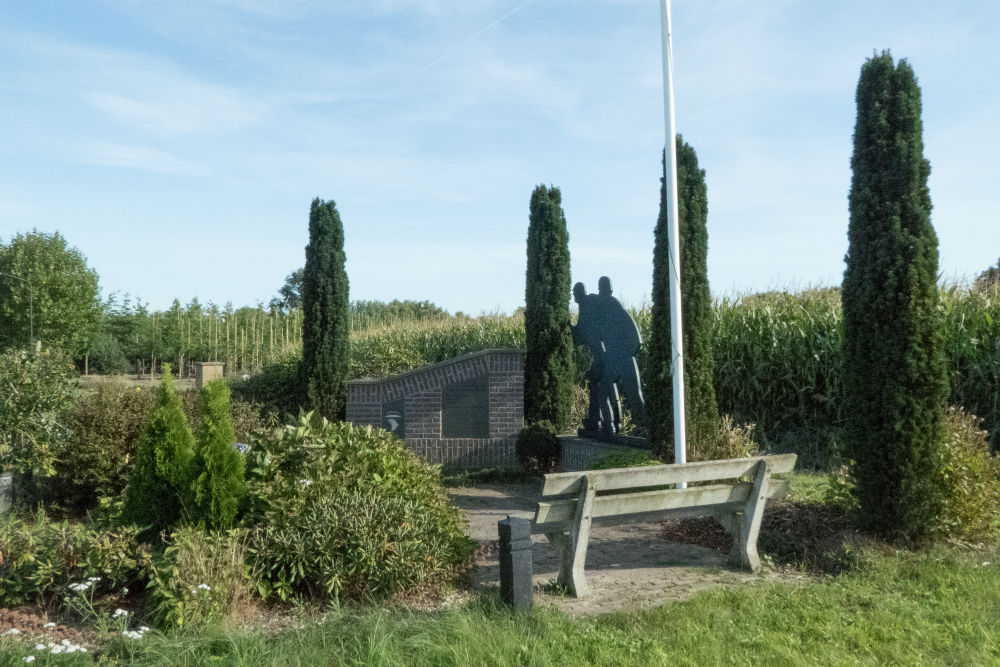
x: 676, y: 332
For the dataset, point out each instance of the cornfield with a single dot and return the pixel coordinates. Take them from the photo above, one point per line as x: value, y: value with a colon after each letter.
x: 778, y: 360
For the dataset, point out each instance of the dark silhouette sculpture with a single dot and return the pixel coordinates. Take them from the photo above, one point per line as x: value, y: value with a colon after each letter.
x: 610, y: 335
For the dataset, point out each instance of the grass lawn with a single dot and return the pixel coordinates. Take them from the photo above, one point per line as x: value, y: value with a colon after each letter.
x: 937, y: 608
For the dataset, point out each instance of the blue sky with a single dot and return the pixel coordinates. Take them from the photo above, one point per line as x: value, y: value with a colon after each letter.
x: 178, y: 144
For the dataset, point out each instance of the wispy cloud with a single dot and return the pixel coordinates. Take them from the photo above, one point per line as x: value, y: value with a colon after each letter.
x: 138, y: 157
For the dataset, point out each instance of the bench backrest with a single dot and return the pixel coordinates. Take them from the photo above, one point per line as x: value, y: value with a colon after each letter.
x: 623, y: 491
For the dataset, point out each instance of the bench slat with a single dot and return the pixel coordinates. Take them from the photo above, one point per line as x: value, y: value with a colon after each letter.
x: 560, y: 511
x: 627, y: 478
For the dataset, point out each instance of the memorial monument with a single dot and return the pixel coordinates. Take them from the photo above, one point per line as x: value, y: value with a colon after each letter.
x: 611, y: 336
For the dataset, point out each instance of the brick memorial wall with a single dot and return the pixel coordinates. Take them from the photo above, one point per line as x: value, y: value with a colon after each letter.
x: 467, y: 411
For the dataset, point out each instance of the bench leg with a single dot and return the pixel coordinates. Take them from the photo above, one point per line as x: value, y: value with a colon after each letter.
x: 572, y: 548
x: 747, y: 526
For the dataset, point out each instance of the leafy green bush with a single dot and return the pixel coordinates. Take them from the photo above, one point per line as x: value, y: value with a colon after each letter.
x: 40, y: 558
x: 159, y: 485
x: 537, y: 448
x: 306, y: 478
x: 106, y: 356
x: 217, y: 467
x: 200, y: 578
x: 35, y: 389
x: 103, y: 433
x: 972, y: 493
x: 625, y: 459
x: 277, y: 388
x: 357, y: 545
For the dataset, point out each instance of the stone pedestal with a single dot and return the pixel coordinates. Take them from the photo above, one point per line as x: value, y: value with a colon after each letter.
x: 207, y: 371
x: 516, y: 572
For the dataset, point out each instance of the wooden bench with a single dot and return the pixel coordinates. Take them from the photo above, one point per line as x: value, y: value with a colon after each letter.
x: 571, y: 500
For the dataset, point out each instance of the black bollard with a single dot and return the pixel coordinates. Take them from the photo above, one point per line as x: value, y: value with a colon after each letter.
x: 515, y: 563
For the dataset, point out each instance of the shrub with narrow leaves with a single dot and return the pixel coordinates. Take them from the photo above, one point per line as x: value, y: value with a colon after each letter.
x: 332, y: 501
x: 41, y: 558
x: 200, y: 578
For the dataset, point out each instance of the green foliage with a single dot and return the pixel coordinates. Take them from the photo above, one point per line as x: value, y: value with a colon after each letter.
x: 359, y: 545
x: 35, y: 389
x: 217, y: 467
x: 549, y: 365
x: 290, y: 294
x: 779, y: 364
x: 54, y: 284
x: 200, y: 578
x: 326, y: 327
x: 159, y: 485
x: 277, y: 388
x: 971, y: 491
x: 971, y: 331
x: 988, y: 279
x: 405, y: 346
x: 633, y: 458
x: 369, y: 314
x: 730, y: 440
x: 103, y: 434
x: 934, y: 609
x: 538, y: 449
x: 346, y: 510
x: 895, y: 377
x: 40, y: 557
x: 106, y: 356
x: 701, y: 410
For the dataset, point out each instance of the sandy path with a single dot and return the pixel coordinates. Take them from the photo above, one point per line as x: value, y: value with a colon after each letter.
x: 628, y: 565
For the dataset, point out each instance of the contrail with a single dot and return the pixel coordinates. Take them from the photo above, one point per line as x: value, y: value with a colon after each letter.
x: 452, y: 50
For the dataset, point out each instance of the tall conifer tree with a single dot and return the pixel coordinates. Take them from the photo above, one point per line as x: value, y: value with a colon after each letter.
x: 701, y: 410
x: 325, y: 307
x: 548, y: 372
x: 895, y: 375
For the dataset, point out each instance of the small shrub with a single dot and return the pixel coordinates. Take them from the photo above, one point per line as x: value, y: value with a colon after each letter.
x: 160, y: 482
x: 103, y: 433
x: 366, y: 545
x: 200, y: 578
x: 36, y: 387
x: 277, y: 389
x: 307, y: 476
x: 217, y: 467
x: 971, y: 492
x: 106, y: 356
x: 538, y: 449
x: 732, y: 441
x: 625, y: 459
x: 40, y: 558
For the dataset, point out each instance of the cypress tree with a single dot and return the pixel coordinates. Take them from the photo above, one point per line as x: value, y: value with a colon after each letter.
x: 548, y: 371
x: 326, y: 324
x: 701, y: 410
x: 217, y: 469
x: 159, y: 485
x: 895, y: 375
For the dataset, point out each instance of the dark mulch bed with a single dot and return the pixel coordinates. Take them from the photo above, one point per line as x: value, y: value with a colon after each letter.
x: 794, y: 534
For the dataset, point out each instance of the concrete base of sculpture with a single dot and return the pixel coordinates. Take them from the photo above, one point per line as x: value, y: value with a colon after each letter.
x: 578, y: 453
x: 614, y: 438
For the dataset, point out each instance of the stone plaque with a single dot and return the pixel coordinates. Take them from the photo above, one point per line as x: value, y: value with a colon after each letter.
x: 465, y: 409
x: 394, y: 418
